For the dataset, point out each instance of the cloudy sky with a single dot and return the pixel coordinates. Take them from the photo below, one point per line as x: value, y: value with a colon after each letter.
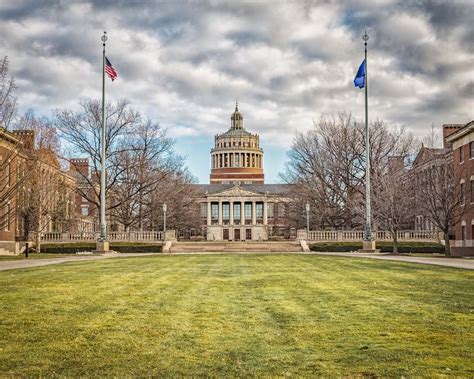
x: 185, y: 63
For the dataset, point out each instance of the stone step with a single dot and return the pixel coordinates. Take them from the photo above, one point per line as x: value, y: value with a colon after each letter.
x: 235, y: 247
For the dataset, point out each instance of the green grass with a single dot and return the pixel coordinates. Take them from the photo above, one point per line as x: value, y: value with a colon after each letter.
x: 237, y: 315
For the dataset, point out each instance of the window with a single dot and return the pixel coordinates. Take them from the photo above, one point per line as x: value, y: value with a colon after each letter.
x: 472, y: 192
x: 248, y: 211
x: 461, y: 154
x: 85, y: 210
x: 214, y: 212
x: 281, y: 210
x: 259, y: 210
x: 270, y: 210
x: 7, y: 217
x: 203, y: 210
x: 463, y: 193
x: 237, y: 160
x: 226, y: 212
x: 84, y: 199
x: 237, y: 213
x: 8, y: 174
x: 471, y: 150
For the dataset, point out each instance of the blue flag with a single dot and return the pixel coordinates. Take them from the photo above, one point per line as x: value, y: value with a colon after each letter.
x: 359, y: 80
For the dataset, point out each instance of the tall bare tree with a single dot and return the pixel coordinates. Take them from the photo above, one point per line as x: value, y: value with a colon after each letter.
x: 82, y: 129
x: 393, y: 206
x: 45, y: 196
x: 8, y: 100
x: 441, y: 198
x: 327, y: 166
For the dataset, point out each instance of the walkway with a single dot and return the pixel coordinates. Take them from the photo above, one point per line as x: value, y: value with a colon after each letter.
x: 26, y: 263
x: 463, y: 263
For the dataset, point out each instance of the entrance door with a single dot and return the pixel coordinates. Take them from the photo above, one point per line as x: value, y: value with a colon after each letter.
x: 226, y: 234
x: 236, y: 234
x: 248, y: 234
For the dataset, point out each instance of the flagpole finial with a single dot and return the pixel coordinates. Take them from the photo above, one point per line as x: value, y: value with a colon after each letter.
x: 365, y: 37
x: 104, y: 37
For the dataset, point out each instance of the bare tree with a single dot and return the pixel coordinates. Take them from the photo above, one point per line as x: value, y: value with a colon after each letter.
x: 45, y: 196
x: 8, y: 101
x: 179, y: 194
x: 441, y: 198
x: 146, y: 166
x: 393, y: 205
x: 327, y: 164
x: 432, y: 138
x: 82, y: 129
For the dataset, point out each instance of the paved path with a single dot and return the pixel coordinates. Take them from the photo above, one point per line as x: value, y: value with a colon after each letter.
x: 467, y: 264
x: 25, y: 263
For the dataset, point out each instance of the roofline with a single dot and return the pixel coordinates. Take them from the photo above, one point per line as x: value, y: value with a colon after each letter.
x: 461, y: 132
x: 9, y: 136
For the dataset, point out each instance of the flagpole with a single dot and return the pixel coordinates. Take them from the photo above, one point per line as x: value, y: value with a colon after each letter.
x: 103, y: 227
x: 368, y: 216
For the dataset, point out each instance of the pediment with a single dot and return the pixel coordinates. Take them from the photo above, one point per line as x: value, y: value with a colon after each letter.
x: 236, y: 192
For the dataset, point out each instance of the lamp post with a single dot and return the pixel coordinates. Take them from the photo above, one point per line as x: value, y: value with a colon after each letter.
x: 307, y: 218
x: 165, y: 208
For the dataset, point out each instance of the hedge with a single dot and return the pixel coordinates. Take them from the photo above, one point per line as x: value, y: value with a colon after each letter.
x: 122, y: 247
x: 385, y: 247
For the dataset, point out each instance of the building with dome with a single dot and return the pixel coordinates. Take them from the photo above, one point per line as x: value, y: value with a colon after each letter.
x: 237, y: 155
x: 237, y: 205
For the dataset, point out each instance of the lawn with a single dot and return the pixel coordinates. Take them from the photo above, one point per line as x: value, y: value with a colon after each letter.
x: 237, y: 315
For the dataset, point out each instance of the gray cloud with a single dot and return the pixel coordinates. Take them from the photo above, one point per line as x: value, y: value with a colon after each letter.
x: 185, y: 62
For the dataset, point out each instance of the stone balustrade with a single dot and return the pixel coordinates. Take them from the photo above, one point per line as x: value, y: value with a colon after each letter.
x: 149, y: 236
x: 358, y: 235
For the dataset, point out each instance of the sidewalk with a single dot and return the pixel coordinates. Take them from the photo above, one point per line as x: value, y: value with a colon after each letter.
x: 464, y: 263
x: 26, y: 263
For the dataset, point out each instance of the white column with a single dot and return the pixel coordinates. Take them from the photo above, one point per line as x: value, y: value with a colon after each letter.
x: 208, y: 213
x: 231, y: 213
x: 254, y: 213
x: 220, y: 212
x: 265, y: 213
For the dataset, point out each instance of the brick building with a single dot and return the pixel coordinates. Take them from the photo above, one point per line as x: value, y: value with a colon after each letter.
x: 462, y: 141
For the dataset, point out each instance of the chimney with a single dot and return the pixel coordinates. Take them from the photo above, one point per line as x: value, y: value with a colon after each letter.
x: 27, y: 137
x: 449, y: 129
x: 79, y: 167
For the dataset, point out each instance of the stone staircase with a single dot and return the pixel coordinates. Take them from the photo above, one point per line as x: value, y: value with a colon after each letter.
x: 235, y: 247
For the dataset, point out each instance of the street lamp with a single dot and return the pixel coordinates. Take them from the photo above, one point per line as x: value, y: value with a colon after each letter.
x: 307, y: 217
x: 164, y: 216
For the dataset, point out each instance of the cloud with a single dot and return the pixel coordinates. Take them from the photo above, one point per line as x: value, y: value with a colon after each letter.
x: 185, y: 63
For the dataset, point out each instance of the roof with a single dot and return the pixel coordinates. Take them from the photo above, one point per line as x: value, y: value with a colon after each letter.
x: 466, y: 129
x: 274, y: 189
x: 236, y: 132
x: 427, y: 153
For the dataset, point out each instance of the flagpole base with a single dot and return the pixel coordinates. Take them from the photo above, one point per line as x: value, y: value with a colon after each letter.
x: 102, y: 247
x: 368, y: 247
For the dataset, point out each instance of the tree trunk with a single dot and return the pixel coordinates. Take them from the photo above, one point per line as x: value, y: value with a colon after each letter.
x: 395, y: 242
x: 447, y: 247
x: 38, y: 241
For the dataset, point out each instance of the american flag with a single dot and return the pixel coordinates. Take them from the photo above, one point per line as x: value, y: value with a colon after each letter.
x: 110, y: 70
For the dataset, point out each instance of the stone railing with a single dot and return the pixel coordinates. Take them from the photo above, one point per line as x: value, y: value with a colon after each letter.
x: 111, y: 236
x: 358, y: 235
